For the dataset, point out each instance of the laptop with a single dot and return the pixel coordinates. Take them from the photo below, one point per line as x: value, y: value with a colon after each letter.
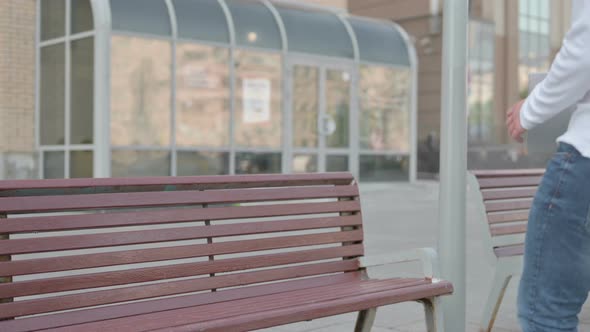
x: 542, y: 138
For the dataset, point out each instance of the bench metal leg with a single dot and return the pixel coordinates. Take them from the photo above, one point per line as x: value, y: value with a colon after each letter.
x: 500, y: 283
x: 434, y: 316
x: 365, y: 320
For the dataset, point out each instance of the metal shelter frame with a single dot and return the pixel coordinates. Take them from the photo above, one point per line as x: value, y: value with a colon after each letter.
x: 102, y: 14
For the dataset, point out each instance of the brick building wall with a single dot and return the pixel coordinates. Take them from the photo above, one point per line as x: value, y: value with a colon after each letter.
x: 17, y: 88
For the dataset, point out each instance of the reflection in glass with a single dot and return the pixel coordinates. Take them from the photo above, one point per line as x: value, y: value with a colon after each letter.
x: 384, y: 109
x: 202, y: 163
x: 52, y: 90
x: 258, y: 114
x: 53, y: 19
x: 380, y: 42
x: 484, y: 126
x: 54, y: 165
x: 512, y: 157
x: 201, y: 20
x: 337, y: 108
x: 140, y: 91
x: 305, y: 106
x: 255, y: 26
x: 305, y: 163
x: 82, y: 94
x: 258, y: 163
x: 375, y: 168
x: 544, y: 8
x: 316, y: 32
x: 534, y: 40
x: 126, y: 163
x: 336, y: 163
x: 81, y: 164
x: 81, y: 16
x: 202, y: 97
x: 143, y: 16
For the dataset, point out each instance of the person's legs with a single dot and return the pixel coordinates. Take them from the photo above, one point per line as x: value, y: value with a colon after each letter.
x: 556, y: 275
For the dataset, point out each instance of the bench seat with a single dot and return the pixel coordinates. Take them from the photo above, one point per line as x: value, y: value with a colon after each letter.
x: 241, y: 309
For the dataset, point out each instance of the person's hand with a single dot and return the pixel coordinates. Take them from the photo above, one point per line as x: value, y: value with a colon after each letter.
x: 515, y: 129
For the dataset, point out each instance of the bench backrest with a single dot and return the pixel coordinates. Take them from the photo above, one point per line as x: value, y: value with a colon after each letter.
x: 503, y: 199
x: 71, y: 241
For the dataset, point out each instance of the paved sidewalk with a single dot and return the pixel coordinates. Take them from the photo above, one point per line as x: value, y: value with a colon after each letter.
x: 405, y: 216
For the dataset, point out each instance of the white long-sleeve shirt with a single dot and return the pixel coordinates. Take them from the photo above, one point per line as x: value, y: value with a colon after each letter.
x: 567, y: 84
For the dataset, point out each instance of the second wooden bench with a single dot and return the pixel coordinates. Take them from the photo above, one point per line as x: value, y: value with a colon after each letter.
x: 504, y: 198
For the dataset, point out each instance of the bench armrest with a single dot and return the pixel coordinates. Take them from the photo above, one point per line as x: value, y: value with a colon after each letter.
x: 427, y: 256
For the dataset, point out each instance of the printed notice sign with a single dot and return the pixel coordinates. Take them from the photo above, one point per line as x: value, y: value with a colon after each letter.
x: 256, y: 100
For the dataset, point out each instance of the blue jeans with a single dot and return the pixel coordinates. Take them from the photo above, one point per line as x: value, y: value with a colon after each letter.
x: 556, y: 275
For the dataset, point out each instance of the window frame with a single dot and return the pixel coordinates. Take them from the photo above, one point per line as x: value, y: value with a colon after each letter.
x: 66, y: 40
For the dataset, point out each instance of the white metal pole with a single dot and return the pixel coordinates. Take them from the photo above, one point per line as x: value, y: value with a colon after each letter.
x: 453, y: 161
x: 101, y: 11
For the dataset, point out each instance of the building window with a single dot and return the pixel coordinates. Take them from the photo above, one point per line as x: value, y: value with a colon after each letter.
x: 384, y: 122
x: 65, y: 101
x: 140, y: 92
x: 131, y: 163
x: 258, y: 99
x: 534, y: 41
x: 203, y: 109
x: 258, y: 112
x: 202, y: 96
x: 483, y: 128
x: 384, y: 109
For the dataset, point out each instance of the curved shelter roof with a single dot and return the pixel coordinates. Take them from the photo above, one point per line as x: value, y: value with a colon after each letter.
x: 266, y: 24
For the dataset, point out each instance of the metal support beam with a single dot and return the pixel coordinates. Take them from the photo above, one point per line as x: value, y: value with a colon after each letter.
x: 101, y: 11
x: 453, y: 165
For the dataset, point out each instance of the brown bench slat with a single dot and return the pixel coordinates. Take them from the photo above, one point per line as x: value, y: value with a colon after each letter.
x: 509, y: 193
x: 138, y: 275
x: 318, y: 310
x: 94, y: 298
x: 290, y: 301
x: 497, y: 206
x: 508, y: 230
x: 508, y: 251
x: 64, y: 263
x: 133, y: 309
x: 16, y: 187
x: 140, y: 218
x: 508, y: 182
x: 252, y: 304
x: 498, y: 218
x: 502, y: 173
x: 173, y: 198
x: 71, y: 242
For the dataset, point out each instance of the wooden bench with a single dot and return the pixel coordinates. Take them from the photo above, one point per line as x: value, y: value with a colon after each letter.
x: 221, y: 253
x: 504, y: 199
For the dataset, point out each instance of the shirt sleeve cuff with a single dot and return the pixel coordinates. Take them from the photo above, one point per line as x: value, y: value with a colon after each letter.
x: 524, y: 118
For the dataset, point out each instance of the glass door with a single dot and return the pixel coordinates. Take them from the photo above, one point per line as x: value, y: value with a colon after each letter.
x: 319, y: 113
x: 335, y: 125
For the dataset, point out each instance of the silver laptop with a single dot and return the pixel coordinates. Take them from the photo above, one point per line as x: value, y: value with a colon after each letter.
x: 542, y: 139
